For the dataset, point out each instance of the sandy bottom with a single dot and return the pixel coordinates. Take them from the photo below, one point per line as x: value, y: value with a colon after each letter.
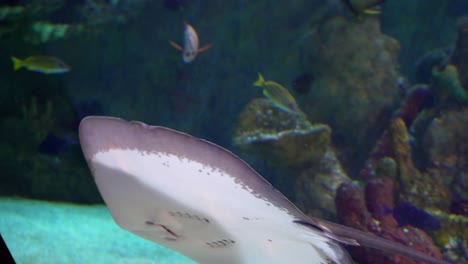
x: 48, y: 232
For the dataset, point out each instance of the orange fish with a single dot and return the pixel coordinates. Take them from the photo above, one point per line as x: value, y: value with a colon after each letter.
x: 190, y: 49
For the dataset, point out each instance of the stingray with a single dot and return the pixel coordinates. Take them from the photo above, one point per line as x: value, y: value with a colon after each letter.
x: 203, y: 201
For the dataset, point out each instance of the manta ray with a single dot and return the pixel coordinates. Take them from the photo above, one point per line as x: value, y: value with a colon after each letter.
x: 201, y: 200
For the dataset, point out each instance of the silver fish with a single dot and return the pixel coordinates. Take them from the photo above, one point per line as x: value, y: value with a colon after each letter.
x: 190, y: 47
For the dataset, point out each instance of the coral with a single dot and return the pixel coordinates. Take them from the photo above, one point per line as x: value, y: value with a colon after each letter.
x: 357, y: 88
x: 452, y: 237
x: 440, y: 186
x: 368, y: 213
x: 418, y: 98
x: 421, y: 189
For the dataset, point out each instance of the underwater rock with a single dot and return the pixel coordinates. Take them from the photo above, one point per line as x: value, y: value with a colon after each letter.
x: 460, y: 54
x: 445, y: 144
x: 446, y: 140
x: 446, y: 84
x: 285, y: 139
x: 291, y: 141
x: 356, y: 90
x: 315, y: 186
x: 423, y: 66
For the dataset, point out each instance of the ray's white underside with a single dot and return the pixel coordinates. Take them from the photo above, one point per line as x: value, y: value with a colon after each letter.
x: 202, y: 211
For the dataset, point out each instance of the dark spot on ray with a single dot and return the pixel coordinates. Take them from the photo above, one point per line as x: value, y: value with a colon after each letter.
x: 270, y: 240
x: 169, y: 231
x: 246, y: 218
x: 206, y: 220
x: 199, y: 170
x: 149, y: 223
x: 220, y: 243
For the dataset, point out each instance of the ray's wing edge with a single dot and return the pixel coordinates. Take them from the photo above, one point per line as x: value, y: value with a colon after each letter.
x: 345, y: 234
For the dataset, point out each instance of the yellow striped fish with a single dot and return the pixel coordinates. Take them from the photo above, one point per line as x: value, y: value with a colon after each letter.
x: 42, y: 64
x: 359, y: 7
x: 279, y: 95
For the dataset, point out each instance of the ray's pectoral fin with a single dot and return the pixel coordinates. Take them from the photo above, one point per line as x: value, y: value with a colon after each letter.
x: 344, y: 234
x: 326, y: 232
x: 175, y: 45
x: 205, y: 48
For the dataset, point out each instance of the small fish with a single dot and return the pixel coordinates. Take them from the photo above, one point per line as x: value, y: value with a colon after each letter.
x: 42, y: 64
x: 54, y: 145
x: 408, y: 214
x: 302, y: 83
x: 279, y: 95
x: 190, y: 49
x: 359, y: 7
